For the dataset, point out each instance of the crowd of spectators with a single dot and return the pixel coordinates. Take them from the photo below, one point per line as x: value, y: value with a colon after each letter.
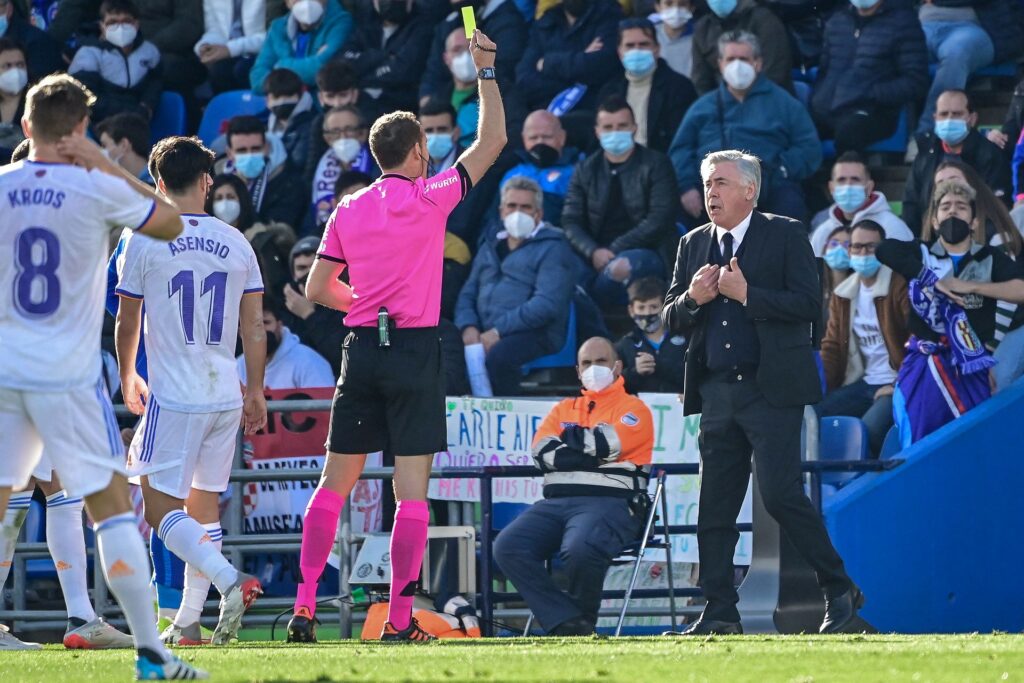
x: 610, y: 108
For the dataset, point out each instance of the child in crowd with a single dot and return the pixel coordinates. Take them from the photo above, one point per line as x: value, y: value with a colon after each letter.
x: 652, y: 361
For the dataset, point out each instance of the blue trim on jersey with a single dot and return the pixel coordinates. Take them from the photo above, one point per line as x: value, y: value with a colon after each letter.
x: 196, y: 215
x: 149, y: 435
x: 131, y: 295
x: 114, y: 303
x: 47, y: 163
x: 113, y: 433
x: 254, y: 290
x: 149, y: 215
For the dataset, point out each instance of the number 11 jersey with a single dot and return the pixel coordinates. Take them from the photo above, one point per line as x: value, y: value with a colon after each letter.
x: 192, y: 287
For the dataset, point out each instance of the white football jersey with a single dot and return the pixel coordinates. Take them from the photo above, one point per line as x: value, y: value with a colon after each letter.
x: 55, y: 222
x: 192, y: 286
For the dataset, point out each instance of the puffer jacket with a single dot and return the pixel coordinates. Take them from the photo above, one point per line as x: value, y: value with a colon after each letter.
x: 753, y: 18
x: 881, y: 60
x: 528, y: 290
x: 650, y: 195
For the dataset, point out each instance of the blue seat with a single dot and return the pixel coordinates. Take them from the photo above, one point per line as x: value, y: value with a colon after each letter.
x: 803, y: 92
x: 502, y: 514
x: 225, y: 106
x: 169, y: 117
x: 841, y: 438
x: 897, y: 142
x: 564, y: 357
x: 1004, y: 70
x: 891, y: 446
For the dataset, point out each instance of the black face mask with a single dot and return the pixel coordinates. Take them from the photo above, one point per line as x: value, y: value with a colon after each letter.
x: 575, y: 7
x: 273, y: 343
x: 648, y: 323
x: 954, y: 230
x: 543, y: 155
x: 392, y: 11
x: 283, y: 111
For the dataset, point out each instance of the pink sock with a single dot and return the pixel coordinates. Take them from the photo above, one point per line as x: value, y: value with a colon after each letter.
x: 408, y: 541
x: 319, y: 527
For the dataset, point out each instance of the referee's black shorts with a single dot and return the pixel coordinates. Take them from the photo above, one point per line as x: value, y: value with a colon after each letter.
x: 390, y: 398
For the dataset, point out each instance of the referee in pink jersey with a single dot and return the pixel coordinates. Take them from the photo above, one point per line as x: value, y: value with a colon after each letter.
x: 389, y: 238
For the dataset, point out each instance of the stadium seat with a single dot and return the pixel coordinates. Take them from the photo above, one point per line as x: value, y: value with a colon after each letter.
x: 564, y: 357
x: 225, y: 106
x: 169, y: 117
x: 841, y: 438
x: 502, y: 514
x: 891, y: 445
x: 894, y: 144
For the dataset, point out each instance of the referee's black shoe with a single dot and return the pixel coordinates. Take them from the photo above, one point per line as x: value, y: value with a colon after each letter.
x: 841, y: 610
x: 709, y: 627
x: 302, y: 627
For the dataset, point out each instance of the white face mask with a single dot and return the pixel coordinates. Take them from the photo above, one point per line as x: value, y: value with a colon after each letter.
x: 13, y: 81
x: 597, y: 378
x: 519, y: 224
x: 676, y: 17
x: 307, y: 12
x: 228, y: 210
x: 739, y: 74
x: 346, y: 149
x: 121, y: 35
x: 463, y: 67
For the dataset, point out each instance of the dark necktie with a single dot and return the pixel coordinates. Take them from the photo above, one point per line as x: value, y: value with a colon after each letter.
x: 727, y: 248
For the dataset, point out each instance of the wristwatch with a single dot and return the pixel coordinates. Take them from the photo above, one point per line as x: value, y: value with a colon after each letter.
x: 486, y: 74
x: 690, y: 304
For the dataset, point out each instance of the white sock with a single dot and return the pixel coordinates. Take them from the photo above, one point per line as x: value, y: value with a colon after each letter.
x: 126, y: 567
x: 188, y: 540
x: 197, y: 584
x: 66, y: 540
x: 10, y: 528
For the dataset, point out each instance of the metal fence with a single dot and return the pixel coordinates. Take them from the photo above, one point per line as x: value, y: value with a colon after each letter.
x: 236, y: 544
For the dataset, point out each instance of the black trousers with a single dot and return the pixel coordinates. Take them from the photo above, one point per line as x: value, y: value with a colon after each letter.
x: 857, y: 130
x: 738, y: 421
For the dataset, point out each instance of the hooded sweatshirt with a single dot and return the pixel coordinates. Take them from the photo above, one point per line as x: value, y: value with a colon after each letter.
x: 293, y: 366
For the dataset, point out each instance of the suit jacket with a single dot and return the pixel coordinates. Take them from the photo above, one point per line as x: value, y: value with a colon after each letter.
x: 783, y: 300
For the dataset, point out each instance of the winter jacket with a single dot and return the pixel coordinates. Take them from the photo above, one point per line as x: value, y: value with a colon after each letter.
x: 293, y: 366
x: 597, y: 444
x: 295, y: 135
x: 748, y: 16
x: 769, y: 122
x: 42, y: 53
x: 120, y: 81
x: 553, y: 180
x: 393, y: 66
x: 669, y: 363
x: 286, y: 198
x: 324, y: 329
x: 866, y: 62
x: 565, y: 61
x: 649, y: 193
x: 671, y: 95
x: 528, y: 290
x: 500, y: 21
x: 279, y: 48
x: 982, y: 155
x: 218, y: 14
x: 877, y: 210
x: 173, y: 26
x: 839, y: 353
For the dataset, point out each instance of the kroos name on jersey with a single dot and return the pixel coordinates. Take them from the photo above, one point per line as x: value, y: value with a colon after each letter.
x: 193, y: 243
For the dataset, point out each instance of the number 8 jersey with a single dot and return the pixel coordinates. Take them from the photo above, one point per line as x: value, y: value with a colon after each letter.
x: 55, y: 223
x: 192, y: 287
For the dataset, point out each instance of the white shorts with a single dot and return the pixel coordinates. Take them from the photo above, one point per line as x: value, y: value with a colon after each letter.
x: 44, y: 468
x: 180, y: 451
x: 77, y: 428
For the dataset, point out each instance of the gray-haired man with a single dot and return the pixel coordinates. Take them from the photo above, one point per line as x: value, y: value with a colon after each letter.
x: 745, y: 291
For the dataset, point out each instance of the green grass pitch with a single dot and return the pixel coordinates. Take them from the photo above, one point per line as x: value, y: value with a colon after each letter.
x: 760, y: 659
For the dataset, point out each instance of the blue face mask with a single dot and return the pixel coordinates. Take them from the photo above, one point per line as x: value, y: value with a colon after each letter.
x: 439, y: 145
x: 951, y: 131
x: 837, y: 258
x: 639, y: 62
x: 617, y: 142
x: 250, y: 165
x: 849, y: 198
x: 724, y: 8
x: 865, y: 266
x: 3, y: 25
x: 863, y: 4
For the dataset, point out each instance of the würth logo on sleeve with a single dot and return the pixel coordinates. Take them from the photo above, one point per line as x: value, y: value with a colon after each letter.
x: 630, y: 420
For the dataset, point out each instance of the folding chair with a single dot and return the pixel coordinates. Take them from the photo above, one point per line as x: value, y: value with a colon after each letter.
x: 637, y: 549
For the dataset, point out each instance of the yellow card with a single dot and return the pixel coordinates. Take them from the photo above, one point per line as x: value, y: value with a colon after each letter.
x: 469, y: 21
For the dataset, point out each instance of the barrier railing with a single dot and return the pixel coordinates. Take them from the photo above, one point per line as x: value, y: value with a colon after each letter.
x: 236, y: 544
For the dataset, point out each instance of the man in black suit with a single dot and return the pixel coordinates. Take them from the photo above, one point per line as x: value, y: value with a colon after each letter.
x: 745, y: 291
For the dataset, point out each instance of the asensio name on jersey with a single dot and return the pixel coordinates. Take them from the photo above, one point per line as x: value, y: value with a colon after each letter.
x: 192, y: 287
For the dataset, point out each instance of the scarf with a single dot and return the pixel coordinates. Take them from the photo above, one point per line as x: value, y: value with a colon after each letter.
x: 327, y: 171
x: 946, y: 318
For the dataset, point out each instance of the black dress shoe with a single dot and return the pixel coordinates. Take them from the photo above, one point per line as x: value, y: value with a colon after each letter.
x: 302, y: 627
x: 709, y: 627
x: 579, y: 626
x: 841, y: 610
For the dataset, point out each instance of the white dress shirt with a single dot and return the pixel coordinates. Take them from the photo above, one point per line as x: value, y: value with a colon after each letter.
x: 738, y: 233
